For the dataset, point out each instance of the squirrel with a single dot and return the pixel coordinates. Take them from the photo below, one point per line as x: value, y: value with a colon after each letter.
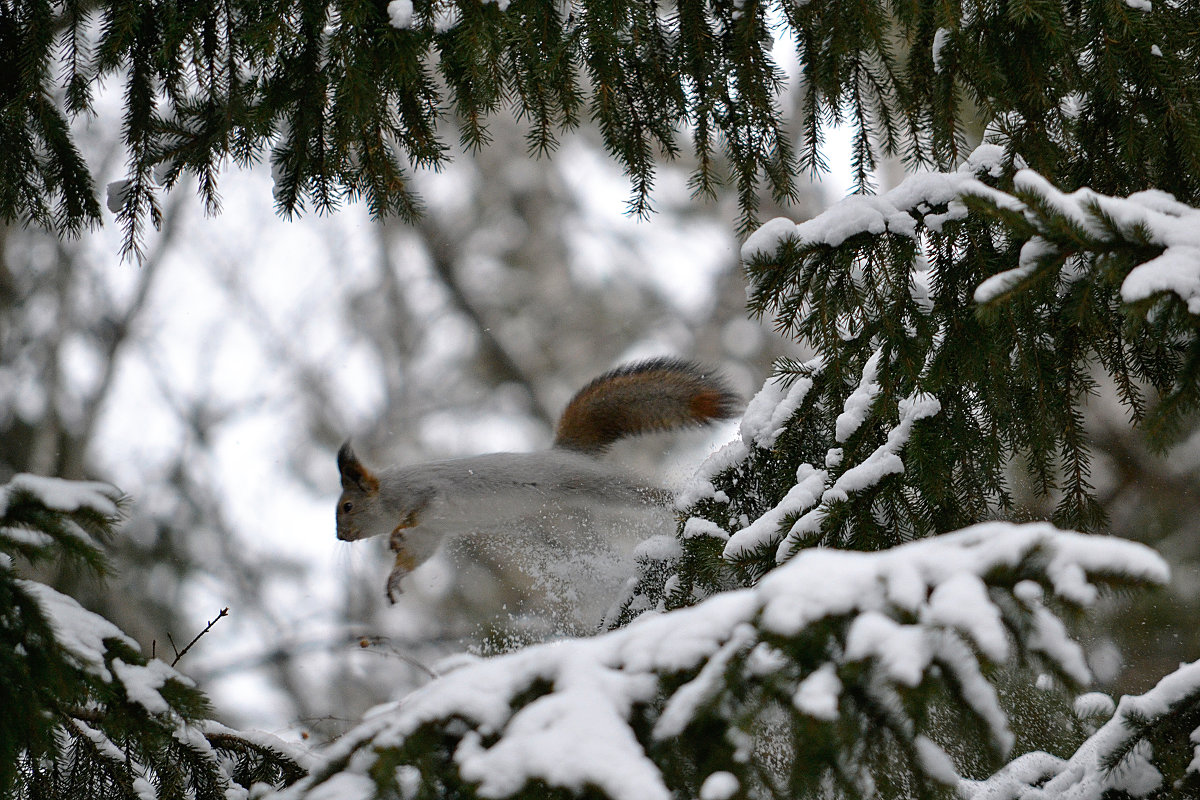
x: 418, y: 506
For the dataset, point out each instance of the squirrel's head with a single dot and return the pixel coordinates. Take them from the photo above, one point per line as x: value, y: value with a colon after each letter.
x: 359, y: 503
x: 373, y: 505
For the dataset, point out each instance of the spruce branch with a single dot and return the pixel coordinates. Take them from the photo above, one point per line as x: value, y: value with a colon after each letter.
x: 348, y: 110
x: 991, y: 292
x: 840, y: 659
x: 86, y: 713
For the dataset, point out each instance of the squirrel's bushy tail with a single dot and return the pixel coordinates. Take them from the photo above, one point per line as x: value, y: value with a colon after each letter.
x: 655, y: 395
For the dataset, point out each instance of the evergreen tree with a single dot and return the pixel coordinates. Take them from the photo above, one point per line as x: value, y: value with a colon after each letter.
x: 85, y: 713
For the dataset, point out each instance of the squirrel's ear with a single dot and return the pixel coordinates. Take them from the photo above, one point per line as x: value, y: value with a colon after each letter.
x: 354, y: 474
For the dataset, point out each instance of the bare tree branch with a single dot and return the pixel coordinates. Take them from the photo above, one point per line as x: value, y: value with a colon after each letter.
x: 181, y: 653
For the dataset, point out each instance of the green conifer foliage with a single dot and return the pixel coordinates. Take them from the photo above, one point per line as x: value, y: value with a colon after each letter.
x: 85, y: 713
x: 841, y: 674
x: 345, y: 98
x: 988, y: 292
x: 346, y: 104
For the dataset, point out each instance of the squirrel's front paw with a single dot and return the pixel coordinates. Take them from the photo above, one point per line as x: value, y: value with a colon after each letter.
x: 403, y: 565
x: 393, y: 584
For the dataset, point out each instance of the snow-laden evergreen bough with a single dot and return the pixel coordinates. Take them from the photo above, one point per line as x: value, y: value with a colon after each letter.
x: 827, y: 675
x: 1150, y: 747
x: 959, y: 320
x: 83, y: 714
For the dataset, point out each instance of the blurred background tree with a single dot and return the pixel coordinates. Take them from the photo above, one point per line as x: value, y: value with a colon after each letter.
x: 214, y: 380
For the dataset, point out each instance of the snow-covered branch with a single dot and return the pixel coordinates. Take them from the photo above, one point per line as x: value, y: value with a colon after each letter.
x: 1136, y: 753
x: 84, y: 710
x: 816, y: 487
x: 831, y: 637
x: 1166, y: 231
x: 978, y: 301
x: 46, y: 517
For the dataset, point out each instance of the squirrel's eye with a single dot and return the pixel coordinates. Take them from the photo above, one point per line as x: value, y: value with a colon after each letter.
x: 347, y: 507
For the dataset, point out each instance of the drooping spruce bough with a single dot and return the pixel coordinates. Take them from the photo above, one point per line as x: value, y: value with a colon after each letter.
x: 840, y: 674
x: 345, y: 104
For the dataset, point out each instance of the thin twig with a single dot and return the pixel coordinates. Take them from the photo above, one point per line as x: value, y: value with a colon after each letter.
x: 180, y: 654
x: 373, y: 643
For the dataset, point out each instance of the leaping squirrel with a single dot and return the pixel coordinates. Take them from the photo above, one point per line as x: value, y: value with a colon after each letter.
x: 418, y: 506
